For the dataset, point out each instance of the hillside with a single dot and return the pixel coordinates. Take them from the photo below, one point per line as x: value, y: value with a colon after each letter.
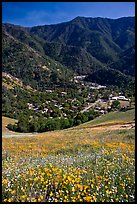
x: 113, y: 118
x: 68, y: 110
x: 88, y: 162
x: 106, y: 123
x: 101, y: 39
x: 5, y: 122
x: 30, y: 65
x: 41, y: 64
x: 126, y: 63
x: 112, y: 77
x: 84, y: 45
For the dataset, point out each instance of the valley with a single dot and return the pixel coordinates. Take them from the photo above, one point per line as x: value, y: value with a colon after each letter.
x: 56, y: 79
x: 68, y: 111
x: 58, y: 108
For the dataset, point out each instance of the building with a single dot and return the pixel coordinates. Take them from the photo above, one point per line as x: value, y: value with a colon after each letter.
x: 123, y: 98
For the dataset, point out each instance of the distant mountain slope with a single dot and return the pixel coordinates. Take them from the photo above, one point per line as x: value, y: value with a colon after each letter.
x: 110, y: 77
x: 74, y: 57
x: 126, y: 63
x: 22, y: 34
x: 102, y: 39
x: 84, y: 45
x: 28, y: 64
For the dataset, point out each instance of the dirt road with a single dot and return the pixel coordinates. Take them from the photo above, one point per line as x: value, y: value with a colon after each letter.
x: 5, y: 135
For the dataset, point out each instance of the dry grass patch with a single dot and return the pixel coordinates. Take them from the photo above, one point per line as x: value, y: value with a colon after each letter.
x: 5, y: 122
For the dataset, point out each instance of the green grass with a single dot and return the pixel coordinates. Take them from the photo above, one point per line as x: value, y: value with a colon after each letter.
x: 127, y: 116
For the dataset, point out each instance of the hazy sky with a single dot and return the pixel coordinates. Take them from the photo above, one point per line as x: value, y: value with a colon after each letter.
x: 41, y: 13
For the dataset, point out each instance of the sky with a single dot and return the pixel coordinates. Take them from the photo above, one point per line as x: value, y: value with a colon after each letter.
x: 45, y: 13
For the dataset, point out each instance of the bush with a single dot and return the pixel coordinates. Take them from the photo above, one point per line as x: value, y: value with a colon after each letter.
x: 115, y: 104
x: 10, y: 126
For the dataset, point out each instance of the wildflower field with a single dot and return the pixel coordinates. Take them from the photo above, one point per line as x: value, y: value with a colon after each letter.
x: 81, y: 164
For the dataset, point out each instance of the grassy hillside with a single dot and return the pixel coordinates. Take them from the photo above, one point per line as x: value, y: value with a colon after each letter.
x: 5, y: 122
x: 81, y: 164
x: 114, y: 117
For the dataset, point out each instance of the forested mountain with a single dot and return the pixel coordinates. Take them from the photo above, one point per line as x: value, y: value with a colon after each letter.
x: 41, y: 64
x: 28, y: 63
x: 83, y: 45
x: 126, y: 63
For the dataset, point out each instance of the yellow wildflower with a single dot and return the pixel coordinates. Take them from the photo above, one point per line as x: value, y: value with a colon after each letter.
x: 73, y: 189
x: 51, y: 194
x: 126, y: 196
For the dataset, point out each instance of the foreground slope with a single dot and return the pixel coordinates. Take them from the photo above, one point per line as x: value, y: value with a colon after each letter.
x: 101, y: 125
x: 81, y: 164
x: 5, y: 122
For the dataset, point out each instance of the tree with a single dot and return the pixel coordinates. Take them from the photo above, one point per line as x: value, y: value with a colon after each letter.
x: 115, y: 104
x: 77, y: 122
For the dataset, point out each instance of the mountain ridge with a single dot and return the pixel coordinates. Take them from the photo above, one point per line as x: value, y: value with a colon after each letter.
x: 94, y: 42
x: 84, y: 45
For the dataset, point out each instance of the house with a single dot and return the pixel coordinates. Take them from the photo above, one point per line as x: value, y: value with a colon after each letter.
x: 102, y: 111
x: 115, y: 98
x: 123, y: 98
